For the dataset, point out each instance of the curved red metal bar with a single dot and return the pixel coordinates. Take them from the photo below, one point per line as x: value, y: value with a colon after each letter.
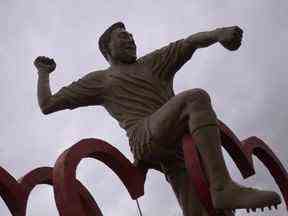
x: 44, y: 175
x: 12, y: 193
x: 196, y: 174
x: 16, y: 193
x: 234, y: 147
x: 64, y: 174
x: 256, y: 146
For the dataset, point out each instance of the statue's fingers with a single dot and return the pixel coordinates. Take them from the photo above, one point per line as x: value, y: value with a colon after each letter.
x: 236, y: 39
x: 52, y: 66
x: 46, y: 60
x: 235, y: 46
x: 232, y: 45
x: 240, y: 30
x: 53, y: 62
x: 237, y: 34
x: 43, y: 58
x: 38, y: 59
x: 35, y: 61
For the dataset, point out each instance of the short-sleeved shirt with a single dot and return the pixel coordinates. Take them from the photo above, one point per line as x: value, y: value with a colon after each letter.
x: 131, y: 92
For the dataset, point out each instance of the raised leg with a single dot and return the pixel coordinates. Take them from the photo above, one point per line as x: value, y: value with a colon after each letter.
x: 192, y: 111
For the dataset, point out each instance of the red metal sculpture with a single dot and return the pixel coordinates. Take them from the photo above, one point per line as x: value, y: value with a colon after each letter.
x: 16, y: 193
x: 72, y: 198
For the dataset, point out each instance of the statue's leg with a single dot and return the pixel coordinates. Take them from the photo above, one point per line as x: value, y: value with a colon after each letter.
x: 192, y: 111
x: 186, y: 194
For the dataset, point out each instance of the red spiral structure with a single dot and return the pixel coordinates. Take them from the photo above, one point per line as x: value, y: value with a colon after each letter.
x: 73, y: 199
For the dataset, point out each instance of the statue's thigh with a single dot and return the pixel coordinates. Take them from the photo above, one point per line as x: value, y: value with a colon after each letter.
x: 169, y: 123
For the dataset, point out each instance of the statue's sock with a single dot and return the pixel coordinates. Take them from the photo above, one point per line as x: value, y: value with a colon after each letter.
x: 208, y: 143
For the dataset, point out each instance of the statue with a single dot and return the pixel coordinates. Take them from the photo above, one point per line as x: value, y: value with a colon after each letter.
x: 138, y: 93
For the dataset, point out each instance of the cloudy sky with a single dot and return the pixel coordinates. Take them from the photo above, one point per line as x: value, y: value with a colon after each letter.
x: 248, y: 87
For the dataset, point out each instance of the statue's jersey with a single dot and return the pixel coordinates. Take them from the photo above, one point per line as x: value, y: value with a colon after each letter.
x: 132, y: 92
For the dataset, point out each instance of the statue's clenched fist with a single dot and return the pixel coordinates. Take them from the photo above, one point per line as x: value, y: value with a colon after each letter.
x: 45, y: 64
x: 230, y: 37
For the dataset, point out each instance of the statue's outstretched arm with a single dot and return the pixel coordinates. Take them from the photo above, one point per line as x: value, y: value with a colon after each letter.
x: 44, y: 66
x: 86, y: 91
x: 229, y: 37
x: 169, y: 59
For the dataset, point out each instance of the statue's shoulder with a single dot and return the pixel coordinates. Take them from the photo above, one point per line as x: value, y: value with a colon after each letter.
x: 96, y: 75
x: 147, y: 58
x: 153, y: 56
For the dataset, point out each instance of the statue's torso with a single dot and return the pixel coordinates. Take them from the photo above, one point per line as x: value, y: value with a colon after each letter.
x: 131, y: 92
x: 134, y: 92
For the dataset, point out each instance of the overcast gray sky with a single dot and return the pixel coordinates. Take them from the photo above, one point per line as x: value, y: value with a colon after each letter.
x: 248, y: 87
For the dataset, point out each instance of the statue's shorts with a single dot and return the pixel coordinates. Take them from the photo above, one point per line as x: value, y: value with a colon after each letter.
x: 148, y: 151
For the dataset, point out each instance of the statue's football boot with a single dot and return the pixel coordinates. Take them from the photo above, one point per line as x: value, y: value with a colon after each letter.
x: 235, y: 196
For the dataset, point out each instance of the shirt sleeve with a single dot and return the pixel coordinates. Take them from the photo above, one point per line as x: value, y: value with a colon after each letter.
x: 168, y: 60
x: 86, y: 91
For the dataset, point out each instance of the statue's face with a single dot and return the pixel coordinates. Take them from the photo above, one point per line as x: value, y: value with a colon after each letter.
x: 122, y: 46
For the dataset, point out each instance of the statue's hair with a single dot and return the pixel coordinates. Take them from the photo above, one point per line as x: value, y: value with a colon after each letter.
x: 105, y: 38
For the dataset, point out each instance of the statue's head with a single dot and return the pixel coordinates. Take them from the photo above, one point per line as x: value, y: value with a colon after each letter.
x: 117, y: 44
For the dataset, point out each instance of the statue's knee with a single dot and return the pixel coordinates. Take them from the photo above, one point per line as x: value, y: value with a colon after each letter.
x: 197, y: 95
x: 199, y: 109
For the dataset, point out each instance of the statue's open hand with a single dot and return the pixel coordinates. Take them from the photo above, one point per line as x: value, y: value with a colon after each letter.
x: 45, y: 64
x: 231, y: 37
